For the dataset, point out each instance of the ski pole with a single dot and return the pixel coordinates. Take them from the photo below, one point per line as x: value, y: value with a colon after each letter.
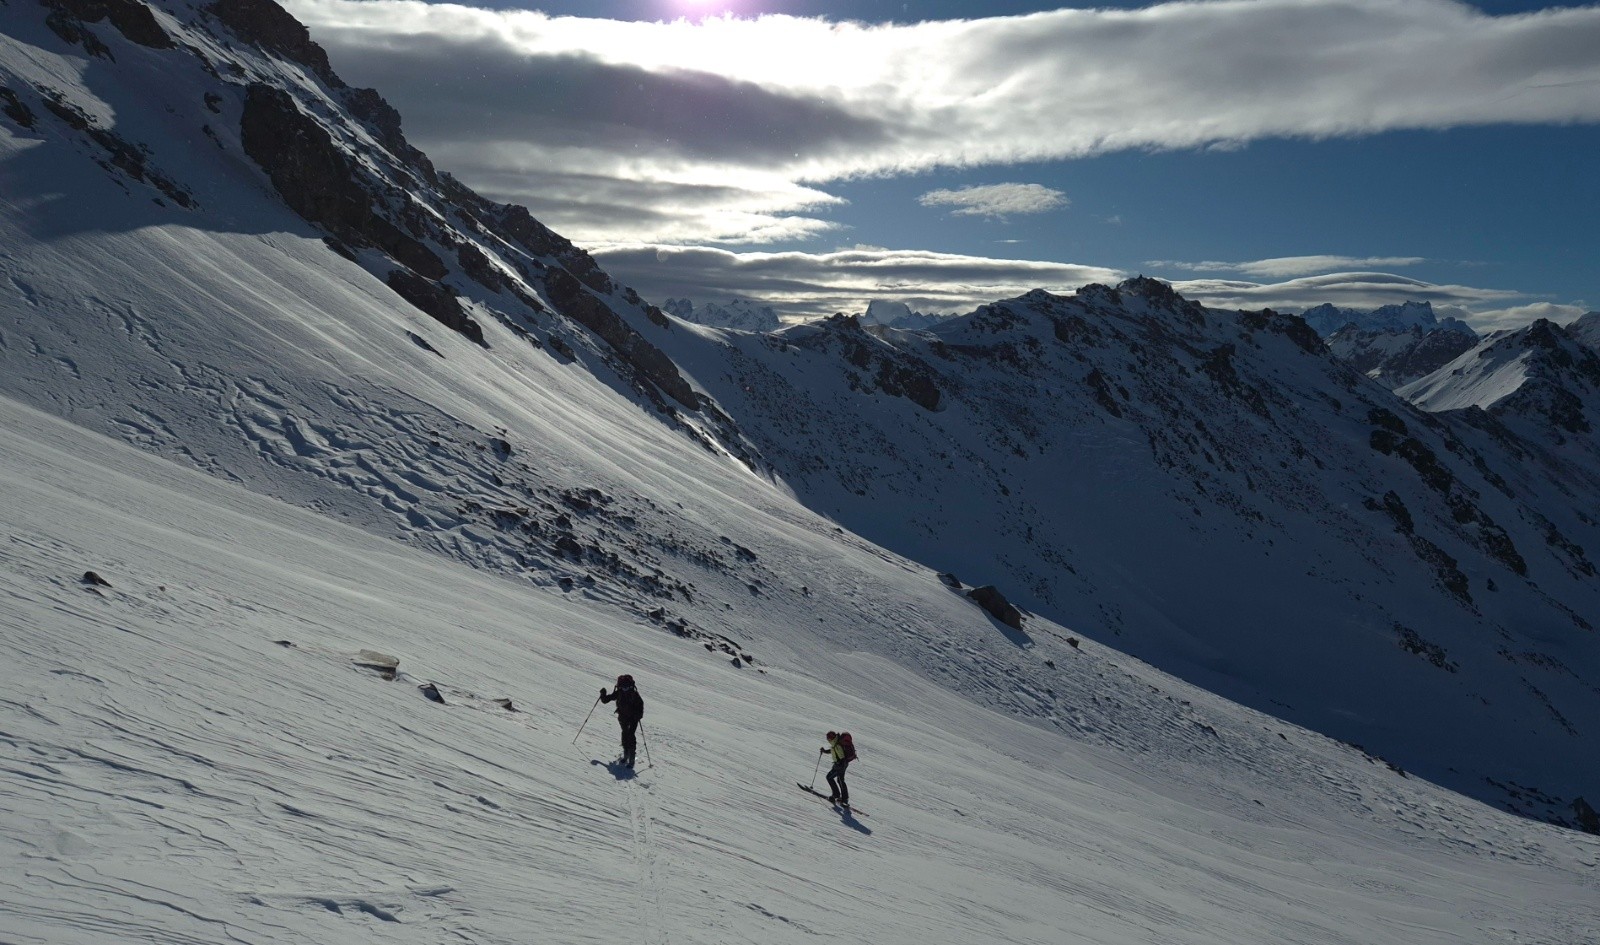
x: 646, y: 740
x: 814, y: 771
x: 586, y: 719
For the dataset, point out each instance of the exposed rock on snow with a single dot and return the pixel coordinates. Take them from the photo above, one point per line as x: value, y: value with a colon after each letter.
x: 995, y: 604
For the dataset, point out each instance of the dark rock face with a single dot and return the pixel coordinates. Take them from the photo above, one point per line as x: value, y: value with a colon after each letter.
x: 891, y: 371
x: 318, y: 181
x: 1290, y: 326
x: 991, y: 600
x: 436, y: 300
x: 1396, y: 359
x: 1588, y: 818
x: 571, y: 297
x: 517, y: 223
x: 132, y: 18
x: 271, y: 27
x: 15, y: 108
x: 384, y: 120
x: 73, y: 31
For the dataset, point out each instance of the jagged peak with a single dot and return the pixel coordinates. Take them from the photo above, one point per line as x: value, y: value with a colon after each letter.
x: 274, y: 29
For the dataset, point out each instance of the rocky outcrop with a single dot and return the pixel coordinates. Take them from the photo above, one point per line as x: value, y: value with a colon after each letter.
x: 269, y: 26
x: 517, y: 223
x: 436, y: 300
x: 116, y: 152
x: 131, y: 18
x: 15, y: 108
x: 574, y: 300
x: 319, y: 181
x: 1398, y: 358
x: 995, y: 604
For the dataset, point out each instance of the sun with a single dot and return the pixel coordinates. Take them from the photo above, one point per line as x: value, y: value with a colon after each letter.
x: 706, y: 7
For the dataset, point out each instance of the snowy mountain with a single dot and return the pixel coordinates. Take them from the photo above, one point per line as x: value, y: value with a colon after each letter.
x: 1218, y: 495
x: 742, y: 314
x: 1587, y: 330
x: 285, y: 411
x: 1539, y: 379
x: 1396, y: 358
x: 898, y: 315
x: 1327, y: 319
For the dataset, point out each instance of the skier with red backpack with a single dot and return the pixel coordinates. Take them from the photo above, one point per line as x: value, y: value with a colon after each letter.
x: 843, y: 750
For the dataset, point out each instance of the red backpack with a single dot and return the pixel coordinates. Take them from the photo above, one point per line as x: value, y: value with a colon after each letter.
x: 848, y: 745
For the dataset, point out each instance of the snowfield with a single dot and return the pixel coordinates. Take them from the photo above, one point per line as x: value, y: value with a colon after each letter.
x: 174, y: 772
x: 192, y: 755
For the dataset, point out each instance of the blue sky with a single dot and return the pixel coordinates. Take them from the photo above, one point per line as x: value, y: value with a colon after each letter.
x: 816, y: 154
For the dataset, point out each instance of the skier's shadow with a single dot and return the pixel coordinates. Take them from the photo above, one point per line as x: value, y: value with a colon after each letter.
x: 618, y: 770
x: 850, y: 821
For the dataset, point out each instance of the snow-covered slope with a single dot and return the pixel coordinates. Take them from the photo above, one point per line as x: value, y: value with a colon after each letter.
x: 1393, y: 344
x: 1540, y: 371
x: 292, y: 394
x: 1587, y: 330
x: 217, y: 252
x: 1217, y: 494
x: 193, y: 753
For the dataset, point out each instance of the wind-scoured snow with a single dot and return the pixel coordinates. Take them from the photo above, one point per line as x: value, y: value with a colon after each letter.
x: 194, y: 754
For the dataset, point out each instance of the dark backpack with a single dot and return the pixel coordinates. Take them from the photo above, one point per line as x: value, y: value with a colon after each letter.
x: 848, y: 745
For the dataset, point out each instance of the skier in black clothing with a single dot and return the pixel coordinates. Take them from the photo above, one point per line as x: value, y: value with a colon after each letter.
x: 630, y: 711
x: 842, y: 747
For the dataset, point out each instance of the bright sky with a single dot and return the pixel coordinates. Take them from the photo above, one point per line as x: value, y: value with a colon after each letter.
x: 816, y: 154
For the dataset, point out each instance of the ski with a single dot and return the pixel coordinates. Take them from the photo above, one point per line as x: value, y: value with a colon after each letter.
x: 837, y: 806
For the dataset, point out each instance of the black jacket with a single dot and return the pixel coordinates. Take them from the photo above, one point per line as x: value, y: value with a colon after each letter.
x: 630, y: 705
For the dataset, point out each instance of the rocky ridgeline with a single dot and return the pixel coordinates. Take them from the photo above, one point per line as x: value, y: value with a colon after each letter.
x: 379, y: 201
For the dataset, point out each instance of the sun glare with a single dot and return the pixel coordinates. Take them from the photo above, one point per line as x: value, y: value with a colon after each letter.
x: 702, y: 8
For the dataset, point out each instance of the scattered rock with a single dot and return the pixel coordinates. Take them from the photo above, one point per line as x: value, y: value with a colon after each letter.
x: 15, y: 108
x: 91, y: 578
x: 432, y: 693
x: 1588, y: 818
x: 991, y: 600
x: 383, y: 664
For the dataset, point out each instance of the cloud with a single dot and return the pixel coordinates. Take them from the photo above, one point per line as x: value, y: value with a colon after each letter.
x: 803, y: 285
x: 769, y: 108
x: 812, y: 285
x: 1518, y: 315
x: 996, y: 200
x: 1283, y: 266
x: 1360, y: 290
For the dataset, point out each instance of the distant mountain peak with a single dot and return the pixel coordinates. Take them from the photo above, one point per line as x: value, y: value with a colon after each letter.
x: 1538, y: 374
x: 1400, y: 317
x: 742, y: 314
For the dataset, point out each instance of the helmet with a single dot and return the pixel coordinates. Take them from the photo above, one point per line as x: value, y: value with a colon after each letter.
x: 832, y: 736
x: 624, y: 681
